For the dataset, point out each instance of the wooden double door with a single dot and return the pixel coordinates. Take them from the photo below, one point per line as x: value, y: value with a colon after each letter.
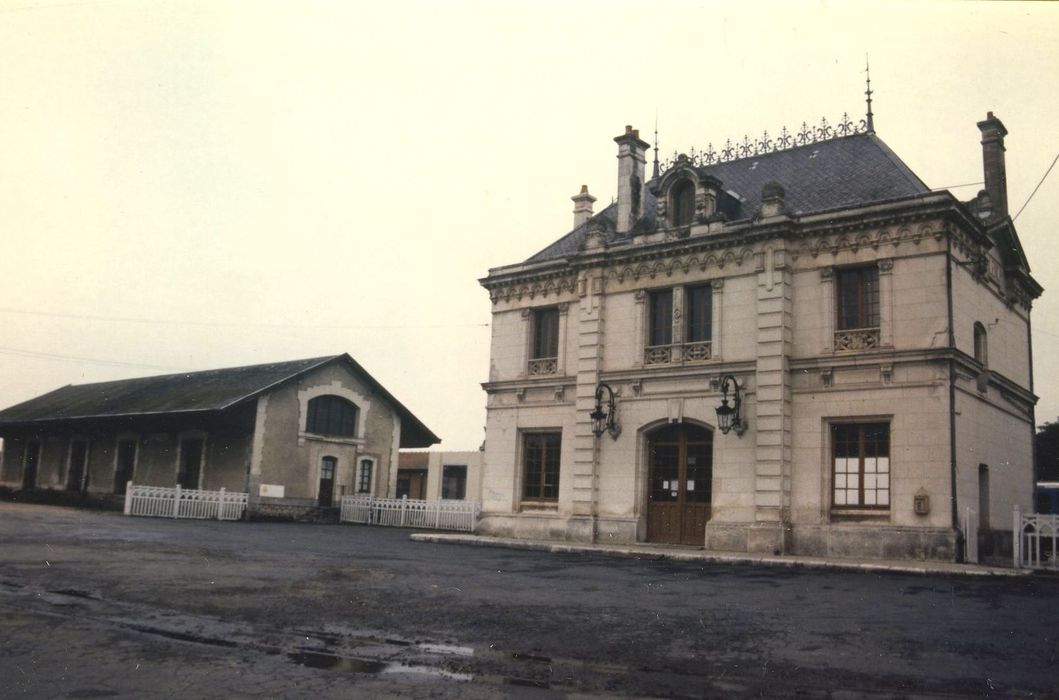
x: 679, y: 484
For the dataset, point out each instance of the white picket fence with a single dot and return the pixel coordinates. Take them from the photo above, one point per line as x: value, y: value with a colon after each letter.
x: 406, y: 512
x: 1036, y: 541
x: 162, y: 502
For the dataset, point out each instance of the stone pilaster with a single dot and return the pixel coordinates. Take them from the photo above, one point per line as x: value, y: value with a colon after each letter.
x: 588, y: 325
x: 772, y: 405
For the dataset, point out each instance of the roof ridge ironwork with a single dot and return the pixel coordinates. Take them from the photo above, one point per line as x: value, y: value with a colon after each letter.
x: 784, y: 141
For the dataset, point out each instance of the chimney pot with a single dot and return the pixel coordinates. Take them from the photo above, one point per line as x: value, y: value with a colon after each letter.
x: 582, y: 206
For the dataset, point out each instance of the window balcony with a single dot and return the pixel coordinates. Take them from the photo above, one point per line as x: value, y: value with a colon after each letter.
x: 856, y: 339
x: 543, y: 366
x: 677, y: 353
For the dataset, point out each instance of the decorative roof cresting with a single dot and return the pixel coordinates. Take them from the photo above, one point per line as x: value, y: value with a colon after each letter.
x: 749, y: 148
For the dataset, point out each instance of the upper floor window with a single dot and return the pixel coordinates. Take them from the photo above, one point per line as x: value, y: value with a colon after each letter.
x: 544, y: 352
x: 689, y: 340
x: 682, y: 203
x: 981, y: 345
x: 331, y: 415
x: 857, y: 303
x: 660, y: 317
x: 698, y: 310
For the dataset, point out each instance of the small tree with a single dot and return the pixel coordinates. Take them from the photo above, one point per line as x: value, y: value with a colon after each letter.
x: 1047, y: 441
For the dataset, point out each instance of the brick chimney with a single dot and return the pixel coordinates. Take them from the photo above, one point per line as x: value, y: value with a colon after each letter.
x: 632, y: 155
x: 996, y: 180
x: 582, y: 206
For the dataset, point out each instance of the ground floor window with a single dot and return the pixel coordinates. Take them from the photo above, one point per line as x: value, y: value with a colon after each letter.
x: 412, y: 483
x: 861, y: 477
x: 540, y: 466
x: 189, y: 471
x: 364, y: 480
x: 454, y: 482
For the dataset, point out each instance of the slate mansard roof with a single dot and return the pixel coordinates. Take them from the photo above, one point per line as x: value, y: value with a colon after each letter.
x: 208, y: 392
x: 841, y: 172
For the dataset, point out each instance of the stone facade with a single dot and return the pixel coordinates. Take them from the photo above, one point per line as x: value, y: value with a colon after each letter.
x: 957, y: 425
x: 262, y: 445
x: 461, y: 467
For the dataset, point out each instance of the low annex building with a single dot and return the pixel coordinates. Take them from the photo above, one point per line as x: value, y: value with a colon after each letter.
x: 434, y: 475
x: 292, y: 435
x: 871, y: 335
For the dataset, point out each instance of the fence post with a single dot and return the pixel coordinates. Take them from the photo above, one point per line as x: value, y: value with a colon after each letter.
x: 128, y: 497
x: 220, y: 504
x: 1016, y: 540
x: 404, y: 508
x: 176, y: 502
x: 437, y: 520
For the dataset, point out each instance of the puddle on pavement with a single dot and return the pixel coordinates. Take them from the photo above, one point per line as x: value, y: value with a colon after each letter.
x: 527, y: 683
x: 331, y: 662
x: 76, y: 593
x: 449, y: 649
x: 183, y: 637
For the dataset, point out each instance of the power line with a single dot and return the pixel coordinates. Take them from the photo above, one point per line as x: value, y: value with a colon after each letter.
x: 18, y: 352
x: 949, y: 187
x: 1038, y: 185
x: 177, y: 322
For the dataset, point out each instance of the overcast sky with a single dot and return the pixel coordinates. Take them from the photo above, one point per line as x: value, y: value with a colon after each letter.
x: 191, y: 185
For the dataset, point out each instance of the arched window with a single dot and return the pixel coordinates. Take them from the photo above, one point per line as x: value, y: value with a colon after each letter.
x: 331, y: 415
x: 682, y: 203
x: 981, y: 345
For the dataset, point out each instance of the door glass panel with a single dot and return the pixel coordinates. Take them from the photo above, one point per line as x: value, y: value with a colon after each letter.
x: 665, y: 473
x: 699, y: 473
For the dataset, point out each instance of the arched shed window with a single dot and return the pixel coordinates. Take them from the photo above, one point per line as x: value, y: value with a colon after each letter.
x: 331, y: 415
x: 981, y: 345
x: 682, y: 203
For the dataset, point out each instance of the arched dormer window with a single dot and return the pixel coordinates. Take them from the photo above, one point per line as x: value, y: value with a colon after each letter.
x: 981, y: 344
x: 682, y: 203
x: 331, y: 415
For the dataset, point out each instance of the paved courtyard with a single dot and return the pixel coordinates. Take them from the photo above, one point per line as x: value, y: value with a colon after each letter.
x: 99, y: 605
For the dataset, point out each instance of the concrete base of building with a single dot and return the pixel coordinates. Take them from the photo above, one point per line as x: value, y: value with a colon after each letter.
x: 280, y: 508
x: 828, y: 540
x: 566, y: 528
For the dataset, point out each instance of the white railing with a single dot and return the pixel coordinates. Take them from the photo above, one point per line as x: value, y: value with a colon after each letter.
x: 163, y: 502
x: 1036, y: 541
x: 406, y: 512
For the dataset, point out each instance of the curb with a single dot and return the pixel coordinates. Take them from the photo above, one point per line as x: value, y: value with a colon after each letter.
x: 641, y: 552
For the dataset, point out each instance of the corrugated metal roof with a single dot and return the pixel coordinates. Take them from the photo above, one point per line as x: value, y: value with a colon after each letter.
x: 841, y: 172
x: 190, y: 392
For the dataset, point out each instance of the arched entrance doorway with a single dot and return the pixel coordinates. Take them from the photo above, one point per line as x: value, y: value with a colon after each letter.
x: 679, y: 484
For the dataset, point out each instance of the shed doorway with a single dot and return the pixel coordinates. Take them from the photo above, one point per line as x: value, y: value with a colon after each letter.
x: 679, y: 484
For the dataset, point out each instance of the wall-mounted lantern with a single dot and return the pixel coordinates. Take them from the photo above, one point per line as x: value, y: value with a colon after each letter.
x: 604, y: 418
x: 728, y: 417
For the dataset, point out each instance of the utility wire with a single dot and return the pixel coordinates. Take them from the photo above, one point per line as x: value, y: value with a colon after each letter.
x: 949, y: 187
x: 17, y: 352
x: 173, y: 322
x: 1038, y: 185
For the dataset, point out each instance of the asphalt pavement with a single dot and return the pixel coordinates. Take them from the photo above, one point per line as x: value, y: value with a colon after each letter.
x: 96, y: 604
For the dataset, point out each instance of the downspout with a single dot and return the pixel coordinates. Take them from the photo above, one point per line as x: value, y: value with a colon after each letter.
x: 952, y: 402
x: 1033, y: 416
